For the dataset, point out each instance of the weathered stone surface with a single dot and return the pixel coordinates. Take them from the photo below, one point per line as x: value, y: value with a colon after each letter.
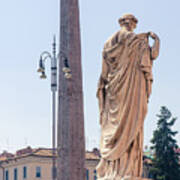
x: 123, y: 93
x: 71, y: 144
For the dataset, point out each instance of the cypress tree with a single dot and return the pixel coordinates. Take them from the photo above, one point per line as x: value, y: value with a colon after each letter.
x: 165, y: 165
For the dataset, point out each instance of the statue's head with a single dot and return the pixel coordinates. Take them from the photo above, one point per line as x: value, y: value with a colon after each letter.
x: 128, y: 21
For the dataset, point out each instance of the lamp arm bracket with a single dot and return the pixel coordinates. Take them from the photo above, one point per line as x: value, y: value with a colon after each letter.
x: 44, y: 55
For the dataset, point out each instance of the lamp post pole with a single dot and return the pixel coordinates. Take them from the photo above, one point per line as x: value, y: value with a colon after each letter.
x: 54, y: 89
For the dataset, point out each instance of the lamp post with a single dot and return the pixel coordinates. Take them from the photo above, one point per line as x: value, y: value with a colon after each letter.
x: 67, y: 74
x: 43, y: 57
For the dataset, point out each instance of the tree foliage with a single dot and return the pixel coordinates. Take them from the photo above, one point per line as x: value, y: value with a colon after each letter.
x: 165, y: 165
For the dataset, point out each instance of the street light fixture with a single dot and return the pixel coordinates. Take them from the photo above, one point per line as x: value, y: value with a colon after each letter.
x: 67, y: 74
x: 66, y: 69
x: 43, y: 75
x: 41, y: 65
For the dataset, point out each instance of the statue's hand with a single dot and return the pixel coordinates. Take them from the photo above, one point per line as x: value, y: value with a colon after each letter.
x: 155, y: 46
x: 153, y: 35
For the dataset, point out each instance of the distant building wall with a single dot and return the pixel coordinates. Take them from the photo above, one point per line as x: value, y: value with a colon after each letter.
x: 1, y: 173
x: 45, y: 165
x: 38, y: 166
x: 91, y: 168
x: 30, y: 164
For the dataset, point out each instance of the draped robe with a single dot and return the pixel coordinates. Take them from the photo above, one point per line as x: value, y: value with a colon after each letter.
x: 123, y: 92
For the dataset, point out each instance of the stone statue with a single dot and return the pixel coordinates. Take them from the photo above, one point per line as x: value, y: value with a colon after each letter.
x: 123, y: 92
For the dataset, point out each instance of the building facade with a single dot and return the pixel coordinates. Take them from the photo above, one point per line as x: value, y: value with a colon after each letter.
x: 36, y: 164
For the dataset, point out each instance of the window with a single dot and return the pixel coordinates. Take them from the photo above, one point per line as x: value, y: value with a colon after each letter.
x: 15, y: 174
x: 6, y: 175
x: 24, y: 172
x: 38, y: 172
x: 87, y: 174
x: 95, y: 175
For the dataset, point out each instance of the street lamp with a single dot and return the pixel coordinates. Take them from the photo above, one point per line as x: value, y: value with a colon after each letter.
x: 67, y: 74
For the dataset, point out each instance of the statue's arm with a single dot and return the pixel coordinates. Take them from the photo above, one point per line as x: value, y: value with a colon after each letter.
x: 109, y: 50
x: 104, y: 73
x: 101, y: 92
x: 114, y: 44
x: 156, y: 45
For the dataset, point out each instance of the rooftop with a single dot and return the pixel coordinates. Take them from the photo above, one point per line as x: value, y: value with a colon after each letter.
x: 41, y: 152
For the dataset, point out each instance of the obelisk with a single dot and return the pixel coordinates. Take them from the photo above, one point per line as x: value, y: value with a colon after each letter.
x: 71, y: 141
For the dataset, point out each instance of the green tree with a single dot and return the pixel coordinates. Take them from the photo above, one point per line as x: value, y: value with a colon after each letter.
x: 165, y: 165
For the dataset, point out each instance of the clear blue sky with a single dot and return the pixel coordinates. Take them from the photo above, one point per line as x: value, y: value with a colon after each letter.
x: 26, y: 30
